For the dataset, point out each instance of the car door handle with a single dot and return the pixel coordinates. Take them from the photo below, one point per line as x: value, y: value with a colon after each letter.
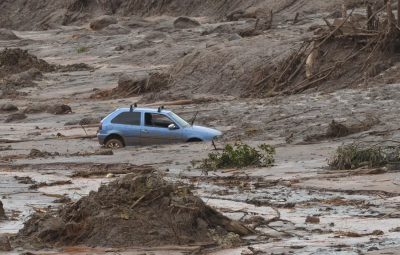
x: 145, y: 131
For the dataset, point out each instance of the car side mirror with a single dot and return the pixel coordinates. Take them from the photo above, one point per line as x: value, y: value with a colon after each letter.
x: 171, y: 127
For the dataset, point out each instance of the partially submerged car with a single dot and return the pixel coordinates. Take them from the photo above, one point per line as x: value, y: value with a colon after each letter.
x: 146, y: 126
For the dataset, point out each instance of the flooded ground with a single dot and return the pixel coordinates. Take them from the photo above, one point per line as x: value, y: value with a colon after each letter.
x: 351, y: 213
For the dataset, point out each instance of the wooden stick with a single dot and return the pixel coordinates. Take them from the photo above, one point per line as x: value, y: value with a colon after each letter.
x: 344, y: 11
x: 398, y: 13
x: 390, y: 14
x: 369, y: 14
x: 295, y: 20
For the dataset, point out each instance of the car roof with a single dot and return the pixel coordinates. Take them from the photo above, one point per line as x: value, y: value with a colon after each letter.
x: 142, y: 109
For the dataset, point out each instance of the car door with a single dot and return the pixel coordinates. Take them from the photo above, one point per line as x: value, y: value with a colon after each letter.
x: 127, y: 124
x: 155, y: 129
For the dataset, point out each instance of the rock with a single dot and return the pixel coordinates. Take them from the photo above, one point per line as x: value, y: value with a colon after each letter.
x: 59, y: 109
x: 115, y: 29
x: 36, y: 109
x: 8, y: 107
x: 4, y: 243
x: 89, y: 121
x: 312, y: 220
x: 15, y: 117
x: 31, y: 74
x: 2, y: 212
x: 102, y: 22
x: 378, y: 232
x: 397, y: 229
x: 185, y: 22
x: 34, y: 134
x: 6, y: 35
x: 71, y: 123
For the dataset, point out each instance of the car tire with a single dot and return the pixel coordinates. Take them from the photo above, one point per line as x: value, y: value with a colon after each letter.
x: 114, y: 144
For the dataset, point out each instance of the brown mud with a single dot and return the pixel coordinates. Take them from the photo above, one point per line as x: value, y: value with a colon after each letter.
x: 137, y: 210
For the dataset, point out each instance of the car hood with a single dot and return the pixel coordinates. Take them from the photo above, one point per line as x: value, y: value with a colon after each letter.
x: 204, y: 130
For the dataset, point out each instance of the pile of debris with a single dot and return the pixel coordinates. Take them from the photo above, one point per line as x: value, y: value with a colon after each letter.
x: 132, y: 85
x: 136, y: 210
x: 16, y: 60
x: 336, y: 129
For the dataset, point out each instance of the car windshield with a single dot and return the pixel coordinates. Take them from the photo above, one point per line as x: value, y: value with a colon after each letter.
x: 178, y: 119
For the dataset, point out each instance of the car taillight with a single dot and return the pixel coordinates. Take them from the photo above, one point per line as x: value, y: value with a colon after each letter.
x: 101, y: 126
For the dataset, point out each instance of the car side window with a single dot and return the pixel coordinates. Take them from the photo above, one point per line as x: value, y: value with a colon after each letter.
x: 128, y: 118
x: 157, y: 120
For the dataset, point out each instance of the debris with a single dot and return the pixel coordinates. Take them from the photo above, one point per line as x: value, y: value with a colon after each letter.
x: 170, y: 208
x: 312, y: 220
x: 45, y: 184
x: 7, y: 107
x: 2, y: 212
x: 59, y: 109
x: 185, y: 23
x: 35, y: 153
x: 128, y: 170
x: 15, y: 117
x: 4, y: 243
x: 16, y: 60
x: 75, y: 68
x: 336, y: 129
x: 102, y: 22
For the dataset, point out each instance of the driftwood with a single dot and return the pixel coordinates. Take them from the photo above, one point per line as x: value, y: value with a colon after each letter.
x: 178, y: 102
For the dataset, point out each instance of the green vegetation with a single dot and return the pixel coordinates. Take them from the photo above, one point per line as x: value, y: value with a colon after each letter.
x: 361, y: 154
x: 81, y: 48
x: 239, y: 156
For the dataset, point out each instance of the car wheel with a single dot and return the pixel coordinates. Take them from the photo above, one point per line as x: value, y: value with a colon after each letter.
x: 114, y: 144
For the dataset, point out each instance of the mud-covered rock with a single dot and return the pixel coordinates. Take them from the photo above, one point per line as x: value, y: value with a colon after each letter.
x: 312, y: 220
x: 75, y: 68
x: 36, y: 109
x: 186, y: 22
x: 6, y: 35
x: 59, y: 109
x: 23, y: 79
x: 89, y: 121
x: 115, y: 29
x: 8, y: 107
x: 2, y: 212
x: 15, y: 117
x: 102, y: 22
x: 4, y: 243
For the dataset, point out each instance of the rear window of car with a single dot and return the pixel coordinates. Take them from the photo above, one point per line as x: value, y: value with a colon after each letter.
x: 128, y: 118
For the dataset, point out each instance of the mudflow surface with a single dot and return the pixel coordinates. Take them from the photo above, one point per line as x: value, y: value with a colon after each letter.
x: 306, y: 77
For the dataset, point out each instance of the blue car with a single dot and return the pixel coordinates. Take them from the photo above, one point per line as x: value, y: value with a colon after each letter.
x: 147, y: 126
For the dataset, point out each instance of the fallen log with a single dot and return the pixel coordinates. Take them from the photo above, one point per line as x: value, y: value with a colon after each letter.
x: 178, y: 102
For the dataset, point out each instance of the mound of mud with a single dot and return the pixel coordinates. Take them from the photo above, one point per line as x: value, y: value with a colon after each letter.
x: 52, y: 109
x: 16, y: 60
x: 74, y: 68
x: 15, y: 117
x: 129, y: 85
x: 336, y: 129
x: 6, y: 35
x: 186, y: 22
x: 136, y: 210
x: 229, y: 68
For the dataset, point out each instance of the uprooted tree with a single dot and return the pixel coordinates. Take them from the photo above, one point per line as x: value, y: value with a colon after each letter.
x: 354, y: 44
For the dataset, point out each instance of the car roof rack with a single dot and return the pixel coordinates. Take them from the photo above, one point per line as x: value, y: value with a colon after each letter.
x: 133, y: 106
x: 161, y: 108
